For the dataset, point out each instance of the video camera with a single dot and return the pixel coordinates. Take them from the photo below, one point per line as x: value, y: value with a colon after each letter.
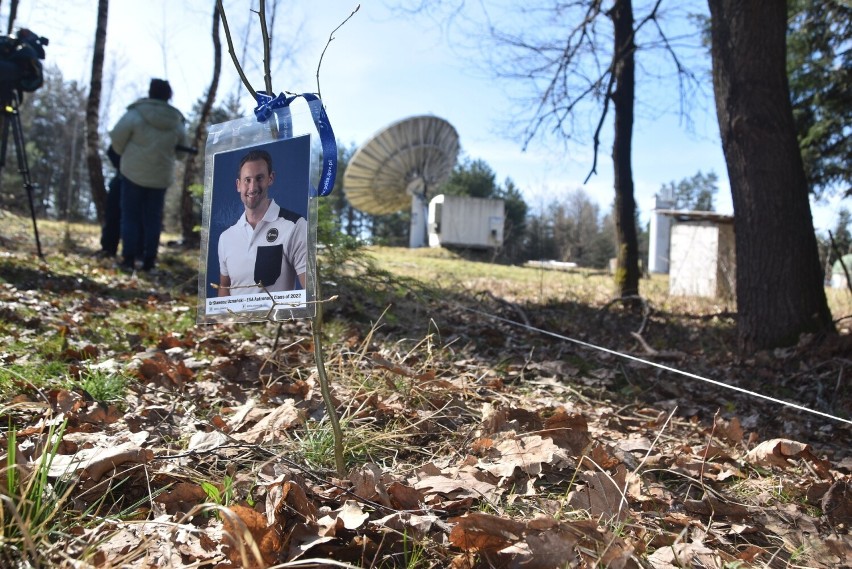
x: 20, y: 61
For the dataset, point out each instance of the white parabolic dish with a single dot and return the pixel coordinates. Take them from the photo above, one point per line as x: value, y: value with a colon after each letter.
x: 410, y: 157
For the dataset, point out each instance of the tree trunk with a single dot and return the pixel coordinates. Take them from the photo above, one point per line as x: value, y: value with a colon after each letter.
x: 188, y: 220
x: 627, y: 272
x: 13, y: 13
x: 780, y: 292
x: 93, y: 139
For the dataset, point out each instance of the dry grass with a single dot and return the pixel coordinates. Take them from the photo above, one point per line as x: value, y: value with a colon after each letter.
x: 528, y: 285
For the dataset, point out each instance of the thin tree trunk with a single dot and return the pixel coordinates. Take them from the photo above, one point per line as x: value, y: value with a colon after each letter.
x: 13, y: 13
x: 627, y: 273
x: 780, y: 291
x: 188, y: 219
x: 93, y: 139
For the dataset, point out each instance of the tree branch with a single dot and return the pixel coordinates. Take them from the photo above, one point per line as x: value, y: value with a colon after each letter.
x: 330, y: 38
x: 596, y: 139
x: 267, y: 74
x: 231, y: 50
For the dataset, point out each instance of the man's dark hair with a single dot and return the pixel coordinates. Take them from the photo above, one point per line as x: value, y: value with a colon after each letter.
x: 253, y: 156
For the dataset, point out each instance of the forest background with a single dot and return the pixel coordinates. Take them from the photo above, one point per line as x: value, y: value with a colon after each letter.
x: 493, y: 414
x: 560, y: 220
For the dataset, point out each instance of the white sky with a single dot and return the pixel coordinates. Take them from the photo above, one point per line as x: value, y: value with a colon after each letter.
x: 379, y: 69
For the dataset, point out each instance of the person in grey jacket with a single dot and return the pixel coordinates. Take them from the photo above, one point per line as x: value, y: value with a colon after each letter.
x: 147, y: 137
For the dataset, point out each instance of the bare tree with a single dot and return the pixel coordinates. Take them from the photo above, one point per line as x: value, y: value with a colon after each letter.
x: 187, y: 216
x: 576, y: 62
x: 780, y: 292
x: 93, y: 104
x: 621, y: 89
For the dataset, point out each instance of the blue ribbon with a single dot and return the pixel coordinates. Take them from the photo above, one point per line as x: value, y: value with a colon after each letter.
x: 267, y: 105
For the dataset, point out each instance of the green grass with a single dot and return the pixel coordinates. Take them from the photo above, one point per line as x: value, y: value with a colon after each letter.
x: 446, y: 269
x: 32, y: 504
x: 222, y: 496
x: 364, y: 441
x: 17, y: 377
x: 105, y: 387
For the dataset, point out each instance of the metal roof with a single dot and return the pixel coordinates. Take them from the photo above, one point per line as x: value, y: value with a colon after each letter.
x: 685, y: 215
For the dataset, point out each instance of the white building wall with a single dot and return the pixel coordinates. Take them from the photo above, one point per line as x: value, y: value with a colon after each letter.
x: 660, y: 233
x: 694, y: 259
x: 465, y: 221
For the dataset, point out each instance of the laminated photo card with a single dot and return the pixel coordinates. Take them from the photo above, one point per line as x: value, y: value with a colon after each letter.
x: 258, y: 240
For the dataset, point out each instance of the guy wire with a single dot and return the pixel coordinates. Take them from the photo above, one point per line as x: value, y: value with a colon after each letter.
x: 658, y: 365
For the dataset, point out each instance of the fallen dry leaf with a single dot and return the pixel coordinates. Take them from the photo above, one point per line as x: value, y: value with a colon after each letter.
x: 601, y: 494
x: 248, y: 541
x: 97, y: 461
x: 777, y: 452
x: 712, y: 506
x: 685, y: 555
x: 270, y: 428
x: 352, y: 515
x: 837, y: 503
x: 367, y: 483
x: 464, y: 484
x: 526, y: 453
x: 481, y: 532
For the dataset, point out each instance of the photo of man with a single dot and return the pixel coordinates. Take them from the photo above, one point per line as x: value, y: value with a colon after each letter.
x: 257, y: 250
x: 266, y: 249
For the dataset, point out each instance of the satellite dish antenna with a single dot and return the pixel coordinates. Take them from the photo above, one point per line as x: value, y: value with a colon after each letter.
x: 399, y: 166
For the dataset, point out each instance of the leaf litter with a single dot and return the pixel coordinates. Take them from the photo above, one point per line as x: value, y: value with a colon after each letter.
x: 475, y: 445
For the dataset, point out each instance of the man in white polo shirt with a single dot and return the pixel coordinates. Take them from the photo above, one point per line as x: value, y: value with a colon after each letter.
x: 266, y: 249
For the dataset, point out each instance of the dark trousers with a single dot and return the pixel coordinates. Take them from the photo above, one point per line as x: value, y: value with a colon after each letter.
x: 111, y: 229
x: 141, y: 223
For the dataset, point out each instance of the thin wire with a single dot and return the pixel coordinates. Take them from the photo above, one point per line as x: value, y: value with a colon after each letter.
x: 655, y: 364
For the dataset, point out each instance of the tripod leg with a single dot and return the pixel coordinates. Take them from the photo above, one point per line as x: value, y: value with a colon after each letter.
x: 18, y: 135
x: 4, y: 133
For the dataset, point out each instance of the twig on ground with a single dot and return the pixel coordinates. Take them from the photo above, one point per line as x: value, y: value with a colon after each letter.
x: 517, y: 309
x: 646, y: 309
x: 657, y: 354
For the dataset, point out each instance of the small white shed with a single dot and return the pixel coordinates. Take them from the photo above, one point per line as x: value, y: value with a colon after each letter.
x: 702, y: 255
x: 463, y: 221
x: 839, y: 271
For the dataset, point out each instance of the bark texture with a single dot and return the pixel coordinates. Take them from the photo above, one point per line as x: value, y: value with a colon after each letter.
x: 624, y: 69
x: 93, y: 104
x: 780, y: 292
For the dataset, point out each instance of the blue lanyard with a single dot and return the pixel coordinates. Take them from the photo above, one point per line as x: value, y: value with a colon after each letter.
x: 280, y: 106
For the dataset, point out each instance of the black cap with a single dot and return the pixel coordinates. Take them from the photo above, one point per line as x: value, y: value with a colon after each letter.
x: 160, y: 89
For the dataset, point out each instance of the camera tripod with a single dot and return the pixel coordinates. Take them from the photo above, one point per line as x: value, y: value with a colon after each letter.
x: 11, y: 119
